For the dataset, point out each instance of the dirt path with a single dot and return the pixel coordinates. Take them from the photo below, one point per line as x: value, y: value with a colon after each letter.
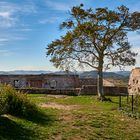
x: 59, y: 106
x: 58, y: 96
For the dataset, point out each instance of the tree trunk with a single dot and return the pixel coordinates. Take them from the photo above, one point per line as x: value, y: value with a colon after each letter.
x: 100, y: 90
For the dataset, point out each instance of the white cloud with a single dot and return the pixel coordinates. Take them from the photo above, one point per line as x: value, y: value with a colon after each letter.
x: 4, y: 39
x: 9, y: 12
x: 5, y: 14
x: 5, y: 53
x: 8, y: 39
x: 7, y: 20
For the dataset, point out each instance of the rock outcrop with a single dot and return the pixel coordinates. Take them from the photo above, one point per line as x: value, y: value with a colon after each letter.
x: 134, y: 82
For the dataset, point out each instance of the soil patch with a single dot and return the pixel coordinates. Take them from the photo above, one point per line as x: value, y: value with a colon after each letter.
x: 58, y: 96
x: 59, y: 106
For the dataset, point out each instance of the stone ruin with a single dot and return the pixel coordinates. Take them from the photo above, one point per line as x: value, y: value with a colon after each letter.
x: 134, y: 82
x: 58, y: 84
x: 48, y: 81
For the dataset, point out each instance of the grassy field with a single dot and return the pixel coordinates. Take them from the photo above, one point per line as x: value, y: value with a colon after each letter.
x: 71, y: 118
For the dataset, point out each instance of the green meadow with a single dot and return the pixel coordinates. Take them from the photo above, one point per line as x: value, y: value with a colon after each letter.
x: 71, y: 118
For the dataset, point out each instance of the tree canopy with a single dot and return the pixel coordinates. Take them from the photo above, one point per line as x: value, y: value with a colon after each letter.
x: 96, y: 38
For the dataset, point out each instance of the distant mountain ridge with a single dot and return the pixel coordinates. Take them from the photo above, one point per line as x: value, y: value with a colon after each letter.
x: 113, y: 75
x: 22, y: 72
x: 84, y: 74
x: 123, y: 73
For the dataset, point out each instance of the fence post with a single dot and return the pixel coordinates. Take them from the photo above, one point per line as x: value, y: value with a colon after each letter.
x: 132, y: 103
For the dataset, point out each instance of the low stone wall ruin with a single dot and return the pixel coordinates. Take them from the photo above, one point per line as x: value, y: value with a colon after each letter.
x: 92, y: 90
x: 59, y: 84
x: 85, y: 90
x: 49, y: 81
x: 70, y: 91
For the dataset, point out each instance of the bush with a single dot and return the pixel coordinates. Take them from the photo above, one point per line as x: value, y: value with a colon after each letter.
x: 15, y: 103
x: 3, y: 102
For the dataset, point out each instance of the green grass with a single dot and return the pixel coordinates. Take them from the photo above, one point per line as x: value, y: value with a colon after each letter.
x: 88, y: 120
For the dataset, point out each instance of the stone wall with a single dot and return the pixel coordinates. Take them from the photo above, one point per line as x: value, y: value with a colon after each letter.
x: 88, y: 81
x: 134, y: 82
x: 70, y: 91
x: 85, y: 90
x: 93, y: 81
x: 49, y: 81
x: 58, y: 84
x: 92, y: 90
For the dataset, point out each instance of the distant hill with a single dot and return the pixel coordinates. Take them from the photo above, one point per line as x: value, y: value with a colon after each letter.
x: 113, y: 75
x: 119, y: 78
x: 3, y: 73
x: 84, y: 74
x: 22, y: 72
x: 123, y: 73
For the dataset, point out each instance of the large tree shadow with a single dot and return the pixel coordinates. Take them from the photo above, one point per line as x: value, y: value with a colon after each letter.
x: 39, y: 117
x: 31, y: 112
x: 10, y: 130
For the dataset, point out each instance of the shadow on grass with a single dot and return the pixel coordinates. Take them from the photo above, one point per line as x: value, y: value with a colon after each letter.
x: 32, y: 113
x: 39, y: 117
x: 10, y: 130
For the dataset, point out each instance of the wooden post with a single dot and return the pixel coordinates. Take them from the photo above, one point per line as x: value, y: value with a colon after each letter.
x: 132, y: 103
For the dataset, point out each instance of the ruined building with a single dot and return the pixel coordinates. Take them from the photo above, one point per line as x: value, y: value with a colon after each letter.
x: 57, y: 84
x: 49, y: 81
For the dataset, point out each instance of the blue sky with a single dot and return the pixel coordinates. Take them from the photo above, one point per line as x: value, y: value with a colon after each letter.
x: 27, y: 26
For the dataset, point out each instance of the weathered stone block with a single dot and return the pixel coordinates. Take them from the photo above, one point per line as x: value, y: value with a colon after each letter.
x: 134, y: 82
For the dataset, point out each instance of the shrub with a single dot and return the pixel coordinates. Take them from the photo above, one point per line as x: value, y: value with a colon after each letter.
x: 15, y: 102
x: 3, y: 101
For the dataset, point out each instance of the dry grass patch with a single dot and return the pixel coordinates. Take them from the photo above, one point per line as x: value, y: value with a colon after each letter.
x: 59, y: 106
